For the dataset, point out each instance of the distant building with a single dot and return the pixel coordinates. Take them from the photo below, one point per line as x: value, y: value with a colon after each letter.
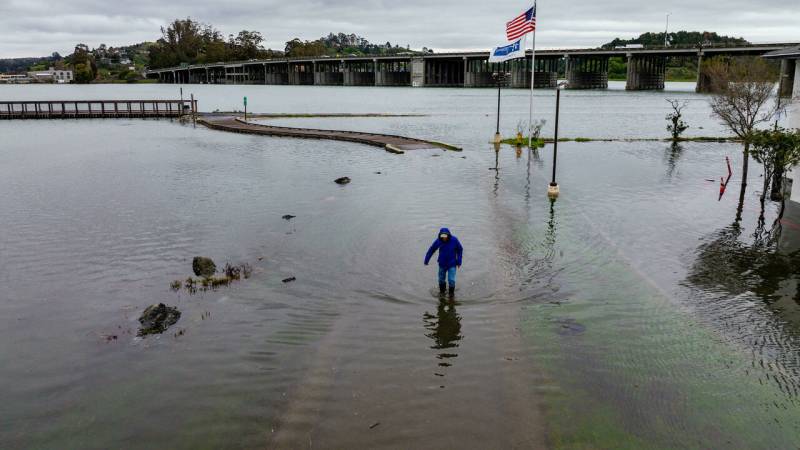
x: 51, y: 75
x: 14, y: 78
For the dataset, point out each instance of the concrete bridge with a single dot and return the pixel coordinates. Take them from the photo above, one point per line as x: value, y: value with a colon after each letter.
x: 583, y: 68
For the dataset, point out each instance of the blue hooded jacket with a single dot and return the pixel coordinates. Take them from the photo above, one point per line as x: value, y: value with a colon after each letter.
x: 450, y: 252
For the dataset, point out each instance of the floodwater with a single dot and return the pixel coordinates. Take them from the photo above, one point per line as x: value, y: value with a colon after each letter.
x: 639, y: 310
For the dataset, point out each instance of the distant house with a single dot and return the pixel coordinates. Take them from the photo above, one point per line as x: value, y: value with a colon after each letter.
x: 51, y: 75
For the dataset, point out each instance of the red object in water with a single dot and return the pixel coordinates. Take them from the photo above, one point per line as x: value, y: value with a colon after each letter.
x: 723, y: 182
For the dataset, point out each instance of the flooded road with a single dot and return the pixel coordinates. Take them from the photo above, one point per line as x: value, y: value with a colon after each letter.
x: 636, y: 311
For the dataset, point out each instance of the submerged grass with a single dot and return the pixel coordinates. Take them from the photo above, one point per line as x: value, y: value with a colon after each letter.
x: 540, y: 142
x: 643, y: 375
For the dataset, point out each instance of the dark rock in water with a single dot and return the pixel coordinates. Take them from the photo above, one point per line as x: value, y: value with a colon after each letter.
x: 203, y: 267
x: 288, y: 217
x: 287, y: 280
x: 342, y: 180
x: 569, y: 327
x: 377, y: 173
x: 157, y: 318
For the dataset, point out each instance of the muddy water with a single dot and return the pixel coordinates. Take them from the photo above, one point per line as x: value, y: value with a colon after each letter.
x: 599, y: 320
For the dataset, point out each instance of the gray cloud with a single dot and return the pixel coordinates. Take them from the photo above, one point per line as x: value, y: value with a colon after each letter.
x: 39, y: 27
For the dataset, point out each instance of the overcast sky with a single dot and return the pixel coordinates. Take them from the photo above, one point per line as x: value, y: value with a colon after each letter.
x: 40, y: 27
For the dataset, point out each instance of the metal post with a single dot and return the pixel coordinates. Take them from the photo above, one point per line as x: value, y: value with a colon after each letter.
x: 552, y: 189
x: 497, y: 129
x: 498, y: 76
x: 555, y: 139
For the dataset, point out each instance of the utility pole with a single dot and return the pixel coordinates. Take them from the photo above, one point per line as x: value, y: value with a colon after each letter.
x: 666, y: 31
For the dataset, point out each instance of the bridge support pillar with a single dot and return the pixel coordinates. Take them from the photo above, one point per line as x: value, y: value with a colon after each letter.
x: 703, y: 80
x: 546, y: 75
x: 301, y: 73
x: 788, y: 77
x: 276, y: 74
x: 587, y: 72
x: 796, y: 88
x: 328, y: 73
x: 418, y: 75
x: 646, y: 72
x: 444, y: 72
x: 359, y: 73
x: 478, y: 72
x: 393, y: 73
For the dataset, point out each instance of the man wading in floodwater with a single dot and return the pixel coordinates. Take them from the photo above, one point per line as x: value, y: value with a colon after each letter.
x: 450, y: 252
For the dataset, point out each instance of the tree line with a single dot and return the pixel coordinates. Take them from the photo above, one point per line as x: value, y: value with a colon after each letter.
x: 677, y: 38
x: 186, y: 41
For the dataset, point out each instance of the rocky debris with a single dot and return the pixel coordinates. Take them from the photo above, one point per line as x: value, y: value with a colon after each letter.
x: 237, y: 272
x: 288, y: 217
x: 342, y: 180
x: 288, y: 280
x: 203, y: 267
x: 157, y: 318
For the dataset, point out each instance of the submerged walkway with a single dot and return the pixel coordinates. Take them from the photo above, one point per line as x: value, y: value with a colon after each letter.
x: 390, y: 143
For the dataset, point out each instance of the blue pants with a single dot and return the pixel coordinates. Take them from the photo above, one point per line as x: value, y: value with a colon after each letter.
x: 450, y: 273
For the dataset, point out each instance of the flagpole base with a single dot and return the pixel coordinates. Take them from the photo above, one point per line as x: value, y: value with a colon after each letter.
x: 552, y: 190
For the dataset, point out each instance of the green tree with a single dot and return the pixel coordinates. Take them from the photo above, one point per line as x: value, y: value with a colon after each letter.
x: 777, y: 150
x: 83, y: 62
x: 83, y: 74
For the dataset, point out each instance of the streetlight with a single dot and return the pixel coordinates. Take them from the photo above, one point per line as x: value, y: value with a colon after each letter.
x: 552, y: 189
x: 499, y: 78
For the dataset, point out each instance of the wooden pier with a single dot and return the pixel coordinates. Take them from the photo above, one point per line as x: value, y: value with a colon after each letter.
x: 96, y: 109
x: 390, y: 143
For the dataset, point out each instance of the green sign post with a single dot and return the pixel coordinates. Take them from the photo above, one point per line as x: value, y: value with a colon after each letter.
x: 245, y: 109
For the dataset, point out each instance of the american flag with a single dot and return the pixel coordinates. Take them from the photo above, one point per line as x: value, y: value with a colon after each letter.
x: 522, y: 24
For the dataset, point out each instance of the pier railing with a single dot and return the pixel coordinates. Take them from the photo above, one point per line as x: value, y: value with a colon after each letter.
x: 85, y: 109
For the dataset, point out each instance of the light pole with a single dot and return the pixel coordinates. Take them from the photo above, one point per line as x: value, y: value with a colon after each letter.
x: 666, y: 30
x: 499, y: 77
x: 552, y: 189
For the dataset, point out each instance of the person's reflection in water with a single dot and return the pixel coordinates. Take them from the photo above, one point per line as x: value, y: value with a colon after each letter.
x: 445, y: 329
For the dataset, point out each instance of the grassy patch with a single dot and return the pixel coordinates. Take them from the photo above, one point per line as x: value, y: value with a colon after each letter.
x: 523, y: 141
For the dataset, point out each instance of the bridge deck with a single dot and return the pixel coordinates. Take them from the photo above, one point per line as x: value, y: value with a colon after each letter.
x: 390, y: 143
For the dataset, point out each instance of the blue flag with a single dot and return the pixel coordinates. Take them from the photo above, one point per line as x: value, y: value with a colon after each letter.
x: 513, y: 50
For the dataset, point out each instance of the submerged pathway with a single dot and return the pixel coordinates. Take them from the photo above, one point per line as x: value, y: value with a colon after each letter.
x: 390, y: 143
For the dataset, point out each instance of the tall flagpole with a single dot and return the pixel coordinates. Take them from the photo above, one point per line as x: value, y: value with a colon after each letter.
x: 533, y: 71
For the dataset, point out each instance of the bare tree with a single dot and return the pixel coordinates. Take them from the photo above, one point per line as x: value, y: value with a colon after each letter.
x: 676, y: 125
x: 742, y: 92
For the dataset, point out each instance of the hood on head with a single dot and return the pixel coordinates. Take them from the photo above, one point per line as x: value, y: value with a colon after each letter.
x: 445, y: 231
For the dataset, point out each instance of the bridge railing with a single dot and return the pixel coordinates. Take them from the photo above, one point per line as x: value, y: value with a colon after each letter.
x: 52, y: 109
